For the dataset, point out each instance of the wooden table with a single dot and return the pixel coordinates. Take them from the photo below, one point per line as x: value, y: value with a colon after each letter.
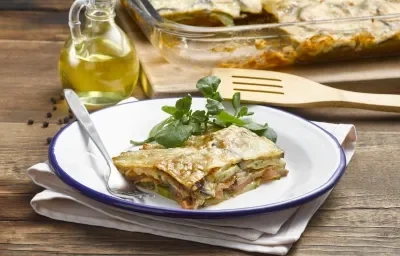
x: 361, y: 216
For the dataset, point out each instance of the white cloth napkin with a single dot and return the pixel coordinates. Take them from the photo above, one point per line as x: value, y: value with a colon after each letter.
x: 272, y: 233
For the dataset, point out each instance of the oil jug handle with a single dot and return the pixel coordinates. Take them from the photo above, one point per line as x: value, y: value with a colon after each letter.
x: 74, y: 23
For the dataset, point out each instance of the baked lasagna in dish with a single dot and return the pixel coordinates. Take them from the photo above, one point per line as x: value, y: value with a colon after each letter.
x: 210, y: 13
x: 229, y: 12
x: 290, y: 39
x: 208, y: 169
x: 328, y: 39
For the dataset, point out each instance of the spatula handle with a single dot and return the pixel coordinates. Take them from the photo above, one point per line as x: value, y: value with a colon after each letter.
x: 379, y: 102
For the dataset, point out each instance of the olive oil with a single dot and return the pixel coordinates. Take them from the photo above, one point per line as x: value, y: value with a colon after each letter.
x: 99, y: 63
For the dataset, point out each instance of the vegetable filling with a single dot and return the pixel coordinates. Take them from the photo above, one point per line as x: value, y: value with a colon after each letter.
x: 218, y: 186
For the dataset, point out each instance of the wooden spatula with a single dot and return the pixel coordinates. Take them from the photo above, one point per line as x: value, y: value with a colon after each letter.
x: 281, y: 89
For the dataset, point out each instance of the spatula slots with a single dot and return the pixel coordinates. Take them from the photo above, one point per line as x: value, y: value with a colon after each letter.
x: 286, y: 90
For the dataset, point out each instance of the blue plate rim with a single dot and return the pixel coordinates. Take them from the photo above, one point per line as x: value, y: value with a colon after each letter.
x: 196, y: 214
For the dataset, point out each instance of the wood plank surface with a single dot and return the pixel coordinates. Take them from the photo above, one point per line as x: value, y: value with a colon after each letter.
x: 29, y: 26
x: 28, y: 5
x: 361, y: 216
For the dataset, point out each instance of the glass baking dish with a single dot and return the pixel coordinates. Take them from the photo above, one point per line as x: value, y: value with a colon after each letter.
x: 269, y: 46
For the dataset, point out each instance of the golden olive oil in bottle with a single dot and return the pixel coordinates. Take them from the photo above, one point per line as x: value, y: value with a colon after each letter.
x: 98, y: 61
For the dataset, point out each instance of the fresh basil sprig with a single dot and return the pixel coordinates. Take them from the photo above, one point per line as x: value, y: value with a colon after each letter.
x: 183, y: 122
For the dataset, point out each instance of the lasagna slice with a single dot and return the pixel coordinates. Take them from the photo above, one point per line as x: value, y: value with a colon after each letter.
x: 208, y: 169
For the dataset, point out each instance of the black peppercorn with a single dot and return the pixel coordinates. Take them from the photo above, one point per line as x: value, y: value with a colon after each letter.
x: 60, y: 121
x: 48, y: 140
x: 53, y: 100
x: 48, y: 115
x: 66, y: 119
x: 62, y: 97
x: 45, y: 124
x: 69, y: 110
x: 54, y: 108
x: 30, y: 122
x: 70, y: 115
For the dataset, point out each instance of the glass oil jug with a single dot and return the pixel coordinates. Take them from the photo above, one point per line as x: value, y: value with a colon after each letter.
x: 98, y: 61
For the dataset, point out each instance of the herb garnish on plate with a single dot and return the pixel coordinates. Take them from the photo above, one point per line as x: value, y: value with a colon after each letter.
x: 184, y: 122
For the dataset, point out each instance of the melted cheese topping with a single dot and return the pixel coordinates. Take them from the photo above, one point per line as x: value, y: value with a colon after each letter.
x: 241, y: 142
x: 179, y: 7
x: 343, y: 33
x: 251, y: 6
x: 193, y: 162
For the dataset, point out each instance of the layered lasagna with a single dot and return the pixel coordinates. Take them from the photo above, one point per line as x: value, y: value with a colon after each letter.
x: 208, y: 169
x: 294, y: 42
x: 231, y: 12
x: 210, y: 12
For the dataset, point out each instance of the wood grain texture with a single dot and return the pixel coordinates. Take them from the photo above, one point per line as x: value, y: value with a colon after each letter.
x: 84, y: 240
x: 21, y: 146
x: 29, y: 26
x: 361, y: 216
x: 74, y: 239
x: 29, y: 5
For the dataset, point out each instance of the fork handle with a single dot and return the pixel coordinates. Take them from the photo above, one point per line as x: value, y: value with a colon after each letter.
x: 370, y: 101
x: 82, y: 115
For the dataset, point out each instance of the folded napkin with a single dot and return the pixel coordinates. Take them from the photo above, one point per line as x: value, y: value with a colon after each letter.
x: 272, y: 233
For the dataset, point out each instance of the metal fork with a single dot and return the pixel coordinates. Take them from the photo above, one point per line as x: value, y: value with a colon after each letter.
x: 84, y: 119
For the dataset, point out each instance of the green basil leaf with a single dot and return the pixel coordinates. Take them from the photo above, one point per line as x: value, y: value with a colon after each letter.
x: 158, y: 127
x: 208, y: 85
x: 217, y: 97
x: 178, y: 114
x: 255, y: 127
x: 219, y: 123
x: 184, y: 104
x: 174, y: 135
x: 214, y: 107
x: 169, y: 109
x: 270, y: 134
x: 236, y: 101
x: 185, y: 119
x: 228, y: 118
x: 242, y: 111
x: 199, y: 115
x: 196, y: 128
x: 215, y: 82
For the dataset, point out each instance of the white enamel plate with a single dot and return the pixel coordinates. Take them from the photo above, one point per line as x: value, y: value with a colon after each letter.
x: 314, y: 159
